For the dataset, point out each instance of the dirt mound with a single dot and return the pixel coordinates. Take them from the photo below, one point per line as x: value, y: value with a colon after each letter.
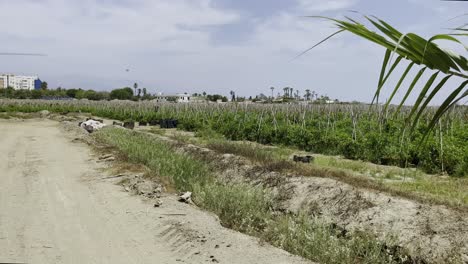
x: 431, y: 233
x: 140, y: 186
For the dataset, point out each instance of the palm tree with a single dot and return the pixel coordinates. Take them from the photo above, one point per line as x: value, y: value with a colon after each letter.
x: 297, y: 94
x: 272, y: 90
x: 307, y: 95
x: 314, y: 94
x: 135, y: 87
x: 286, y: 90
x: 291, y: 92
x: 422, y: 53
x: 233, y: 96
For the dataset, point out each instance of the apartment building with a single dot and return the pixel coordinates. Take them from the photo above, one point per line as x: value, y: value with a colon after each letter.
x: 19, y: 82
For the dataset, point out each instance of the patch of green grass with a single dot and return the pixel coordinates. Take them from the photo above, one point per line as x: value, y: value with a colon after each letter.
x: 366, y: 168
x: 408, y: 183
x: 243, y: 207
x: 248, y: 150
x: 157, y: 131
x: 181, y: 170
x: 181, y: 137
x: 451, y: 190
x: 208, y: 134
x: 310, y: 237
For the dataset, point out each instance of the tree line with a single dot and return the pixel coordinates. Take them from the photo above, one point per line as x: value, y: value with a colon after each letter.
x: 125, y: 93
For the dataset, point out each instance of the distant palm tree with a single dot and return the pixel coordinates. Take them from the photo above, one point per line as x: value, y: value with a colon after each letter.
x: 291, y: 92
x: 233, y: 96
x: 272, y: 90
x: 307, y: 95
x: 135, y: 87
x: 286, y: 90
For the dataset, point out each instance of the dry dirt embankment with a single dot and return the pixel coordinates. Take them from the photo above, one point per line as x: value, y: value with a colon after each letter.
x: 430, y: 233
x: 57, y: 207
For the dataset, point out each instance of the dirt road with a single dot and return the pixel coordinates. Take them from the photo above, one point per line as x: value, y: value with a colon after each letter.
x: 55, y: 207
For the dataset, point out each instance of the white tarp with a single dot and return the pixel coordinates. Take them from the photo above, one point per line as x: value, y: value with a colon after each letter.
x: 92, y: 125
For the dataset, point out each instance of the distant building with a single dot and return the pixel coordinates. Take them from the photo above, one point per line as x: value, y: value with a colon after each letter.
x: 18, y: 82
x: 178, y: 98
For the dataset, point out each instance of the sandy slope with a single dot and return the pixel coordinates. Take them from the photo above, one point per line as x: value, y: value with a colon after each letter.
x: 55, y: 207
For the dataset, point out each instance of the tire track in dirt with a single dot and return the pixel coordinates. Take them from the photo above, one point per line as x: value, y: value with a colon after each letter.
x: 56, y: 208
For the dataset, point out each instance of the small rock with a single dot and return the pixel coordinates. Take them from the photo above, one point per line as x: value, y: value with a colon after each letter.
x: 217, y: 246
x: 158, y: 203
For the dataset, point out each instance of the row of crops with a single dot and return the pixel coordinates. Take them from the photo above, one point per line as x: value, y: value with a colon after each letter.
x: 353, y: 131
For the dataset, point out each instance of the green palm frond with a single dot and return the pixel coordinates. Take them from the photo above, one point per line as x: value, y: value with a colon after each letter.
x: 420, y: 52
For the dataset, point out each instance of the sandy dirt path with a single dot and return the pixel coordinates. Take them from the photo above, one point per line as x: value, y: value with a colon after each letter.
x: 55, y: 207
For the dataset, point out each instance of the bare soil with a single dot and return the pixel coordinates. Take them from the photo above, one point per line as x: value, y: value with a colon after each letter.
x: 59, y: 204
x: 429, y: 233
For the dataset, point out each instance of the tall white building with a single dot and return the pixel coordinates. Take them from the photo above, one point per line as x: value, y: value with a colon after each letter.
x: 18, y: 82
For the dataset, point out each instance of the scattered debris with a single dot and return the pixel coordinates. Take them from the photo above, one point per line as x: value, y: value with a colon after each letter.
x: 105, y: 156
x: 113, y: 177
x: 169, y: 123
x: 175, y: 214
x: 185, y: 197
x: 129, y: 124
x: 142, y: 123
x: 91, y: 125
x: 115, y: 123
x: 140, y: 186
x: 154, y: 122
x: 98, y: 120
x: 157, y: 203
x: 303, y: 159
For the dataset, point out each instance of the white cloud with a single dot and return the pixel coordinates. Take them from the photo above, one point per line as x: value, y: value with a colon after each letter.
x: 168, y: 45
x: 92, y: 23
x: 95, y: 38
x: 322, y: 6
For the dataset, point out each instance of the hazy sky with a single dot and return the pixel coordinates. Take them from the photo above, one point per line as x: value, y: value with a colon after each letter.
x: 207, y: 45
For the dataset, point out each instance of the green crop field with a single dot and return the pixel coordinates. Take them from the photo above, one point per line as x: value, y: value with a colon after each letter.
x: 357, y: 132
